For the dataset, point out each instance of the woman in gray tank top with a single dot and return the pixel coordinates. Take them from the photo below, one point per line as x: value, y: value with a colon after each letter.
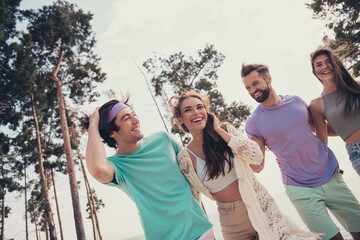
x: 339, y: 104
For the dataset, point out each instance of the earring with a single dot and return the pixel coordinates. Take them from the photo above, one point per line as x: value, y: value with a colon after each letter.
x: 185, y: 128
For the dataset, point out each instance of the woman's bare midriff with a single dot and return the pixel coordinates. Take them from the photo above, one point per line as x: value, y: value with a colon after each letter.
x: 229, y: 194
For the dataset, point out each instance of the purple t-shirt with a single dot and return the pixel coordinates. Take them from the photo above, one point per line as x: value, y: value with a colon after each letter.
x: 284, y: 128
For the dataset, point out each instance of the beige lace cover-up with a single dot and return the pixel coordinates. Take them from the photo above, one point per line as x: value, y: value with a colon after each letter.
x: 263, y: 212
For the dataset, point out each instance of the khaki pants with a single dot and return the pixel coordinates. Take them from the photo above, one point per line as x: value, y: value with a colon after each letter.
x: 235, y: 222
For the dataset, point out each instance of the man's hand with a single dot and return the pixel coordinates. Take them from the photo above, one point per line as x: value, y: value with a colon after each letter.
x: 94, y: 118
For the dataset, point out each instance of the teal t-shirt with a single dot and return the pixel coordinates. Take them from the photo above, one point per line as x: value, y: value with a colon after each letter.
x: 151, y: 177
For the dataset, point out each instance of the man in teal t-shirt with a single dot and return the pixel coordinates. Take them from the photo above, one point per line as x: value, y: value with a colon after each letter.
x: 147, y: 171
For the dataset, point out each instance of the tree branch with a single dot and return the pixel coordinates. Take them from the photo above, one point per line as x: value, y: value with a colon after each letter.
x: 57, y: 68
x: 152, y: 95
x: 197, y: 74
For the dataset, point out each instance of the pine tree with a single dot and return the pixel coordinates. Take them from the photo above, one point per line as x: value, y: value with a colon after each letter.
x: 63, y: 43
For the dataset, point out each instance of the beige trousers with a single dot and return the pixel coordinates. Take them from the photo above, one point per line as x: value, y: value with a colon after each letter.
x: 235, y: 222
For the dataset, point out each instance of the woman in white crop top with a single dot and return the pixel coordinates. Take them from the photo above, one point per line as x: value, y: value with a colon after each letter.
x: 217, y: 162
x: 339, y: 104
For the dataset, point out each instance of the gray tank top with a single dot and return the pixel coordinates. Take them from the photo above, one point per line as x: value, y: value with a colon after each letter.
x: 334, y: 106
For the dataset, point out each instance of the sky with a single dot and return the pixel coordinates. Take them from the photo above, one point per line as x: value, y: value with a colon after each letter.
x: 279, y: 33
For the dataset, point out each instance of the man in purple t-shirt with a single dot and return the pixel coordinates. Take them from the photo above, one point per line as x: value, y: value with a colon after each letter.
x: 310, y: 171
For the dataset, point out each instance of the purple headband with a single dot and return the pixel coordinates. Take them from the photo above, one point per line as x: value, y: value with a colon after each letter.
x: 115, y: 110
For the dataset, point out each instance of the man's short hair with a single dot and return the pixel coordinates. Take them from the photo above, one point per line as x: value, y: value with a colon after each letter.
x: 105, y: 128
x: 262, y: 69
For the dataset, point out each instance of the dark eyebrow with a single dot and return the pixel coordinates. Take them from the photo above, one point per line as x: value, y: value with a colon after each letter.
x: 124, y: 116
x: 186, y: 107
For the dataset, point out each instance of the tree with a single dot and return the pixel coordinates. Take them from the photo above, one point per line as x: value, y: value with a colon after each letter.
x: 8, y: 173
x: 178, y: 72
x: 9, y: 14
x: 94, y: 204
x: 10, y: 168
x: 57, y: 204
x: 18, y: 70
x: 28, y: 91
x: 343, y: 18
x: 64, y: 41
x: 35, y: 208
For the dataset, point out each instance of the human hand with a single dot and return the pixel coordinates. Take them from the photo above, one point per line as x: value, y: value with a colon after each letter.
x: 215, y: 120
x: 94, y: 118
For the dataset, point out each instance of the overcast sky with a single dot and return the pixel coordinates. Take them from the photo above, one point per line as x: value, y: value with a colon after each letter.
x: 279, y: 33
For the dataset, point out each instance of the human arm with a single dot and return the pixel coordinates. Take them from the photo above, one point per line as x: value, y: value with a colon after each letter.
x: 241, y: 145
x: 197, y: 197
x: 316, y: 109
x: 96, y: 161
x: 330, y: 131
x: 259, y: 168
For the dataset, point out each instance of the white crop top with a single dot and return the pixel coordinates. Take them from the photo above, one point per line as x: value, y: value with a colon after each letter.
x: 216, y: 184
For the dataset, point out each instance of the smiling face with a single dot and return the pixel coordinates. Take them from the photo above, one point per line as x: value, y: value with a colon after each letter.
x: 257, y: 86
x: 323, y: 68
x: 193, y: 114
x: 129, y: 125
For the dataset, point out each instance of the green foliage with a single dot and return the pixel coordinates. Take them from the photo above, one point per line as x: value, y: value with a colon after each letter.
x: 10, y: 172
x: 343, y: 18
x: 8, y: 16
x: 63, y: 27
x: 97, y: 201
x: 179, y: 73
x: 36, y: 204
x: 27, y: 61
x: 10, y: 166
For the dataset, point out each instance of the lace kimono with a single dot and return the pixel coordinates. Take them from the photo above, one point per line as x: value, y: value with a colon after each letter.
x: 263, y: 212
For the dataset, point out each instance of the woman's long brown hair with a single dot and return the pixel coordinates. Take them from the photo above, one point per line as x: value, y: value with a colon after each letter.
x: 345, y: 83
x: 214, y: 147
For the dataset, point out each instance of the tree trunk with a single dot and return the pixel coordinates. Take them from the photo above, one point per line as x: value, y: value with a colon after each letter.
x: 57, y: 204
x: 80, y: 232
x: 47, y: 207
x: 36, y: 230
x: 26, y: 206
x: 2, y: 207
x: 46, y: 230
x: 94, y: 210
x: 91, y: 201
x: 91, y: 210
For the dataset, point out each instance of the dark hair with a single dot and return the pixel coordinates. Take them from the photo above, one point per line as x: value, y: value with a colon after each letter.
x: 262, y: 69
x: 214, y: 146
x: 345, y: 83
x: 105, y: 128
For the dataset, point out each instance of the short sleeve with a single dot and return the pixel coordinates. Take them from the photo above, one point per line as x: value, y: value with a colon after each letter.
x: 176, y: 145
x: 307, y: 107
x: 118, y: 177
x: 302, y: 101
x: 252, y: 131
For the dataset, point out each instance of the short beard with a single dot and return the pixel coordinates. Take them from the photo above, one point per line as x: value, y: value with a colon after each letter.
x: 264, y: 95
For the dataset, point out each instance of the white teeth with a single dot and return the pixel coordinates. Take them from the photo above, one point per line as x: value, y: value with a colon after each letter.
x: 257, y: 94
x: 197, y: 120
